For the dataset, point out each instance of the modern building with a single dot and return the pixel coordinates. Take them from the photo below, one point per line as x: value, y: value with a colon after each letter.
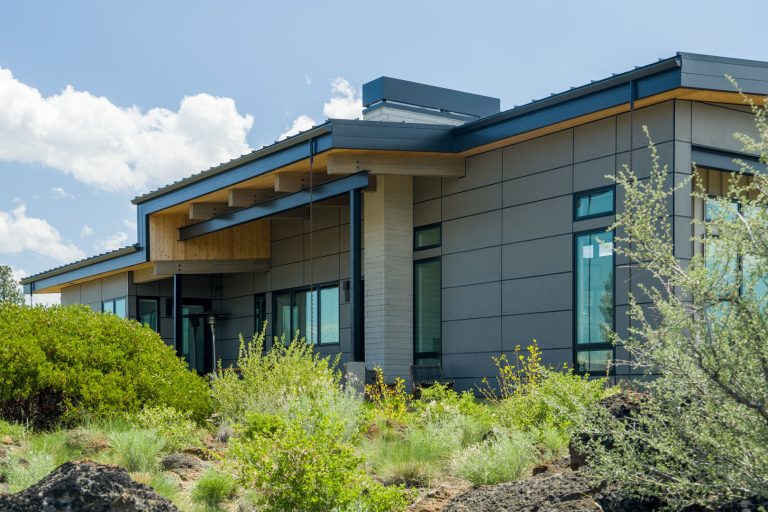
x: 435, y: 229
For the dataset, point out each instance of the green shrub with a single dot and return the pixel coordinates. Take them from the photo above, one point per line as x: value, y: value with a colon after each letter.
x: 419, y: 453
x: 298, y: 470
x: 162, y: 485
x: 136, y: 450
x: 66, y: 362
x: 293, y: 381
x: 506, y: 456
x: 176, y: 428
x: 213, y: 489
x: 558, y: 400
x: 22, y: 470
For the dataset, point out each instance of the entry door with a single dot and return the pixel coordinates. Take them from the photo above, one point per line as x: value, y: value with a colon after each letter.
x: 195, y: 337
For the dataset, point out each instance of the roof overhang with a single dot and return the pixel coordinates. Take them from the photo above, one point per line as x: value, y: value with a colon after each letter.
x: 684, y: 76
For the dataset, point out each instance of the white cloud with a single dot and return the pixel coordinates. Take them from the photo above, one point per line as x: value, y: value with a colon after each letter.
x: 346, y: 102
x: 60, y: 192
x: 130, y: 224
x: 300, y: 124
x: 115, y: 148
x: 21, y: 233
x: 86, y: 231
x: 112, y: 242
x: 307, y: 79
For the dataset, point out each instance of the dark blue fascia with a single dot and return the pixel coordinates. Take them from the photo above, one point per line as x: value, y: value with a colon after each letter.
x: 238, y: 174
x: 298, y: 199
x: 533, y: 118
x: 88, y: 271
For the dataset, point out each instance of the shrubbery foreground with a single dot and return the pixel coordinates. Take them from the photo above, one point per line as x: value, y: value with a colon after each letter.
x: 65, y: 363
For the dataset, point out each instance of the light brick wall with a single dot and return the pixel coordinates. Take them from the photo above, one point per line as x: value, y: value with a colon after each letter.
x: 388, y: 270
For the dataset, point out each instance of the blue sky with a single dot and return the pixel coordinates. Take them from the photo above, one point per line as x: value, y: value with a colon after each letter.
x: 71, y: 162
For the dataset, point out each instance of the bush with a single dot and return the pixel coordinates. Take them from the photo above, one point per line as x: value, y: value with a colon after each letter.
x: 389, y: 401
x: 176, y: 429
x: 506, y: 456
x: 292, y: 381
x: 701, y: 439
x: 298, y: 470
x: 557, y: 401
x: 213, y: 489
x: 136, y: 450
x: 66, y: 362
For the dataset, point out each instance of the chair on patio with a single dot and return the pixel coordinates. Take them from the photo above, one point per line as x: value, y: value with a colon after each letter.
x: 426, y: 375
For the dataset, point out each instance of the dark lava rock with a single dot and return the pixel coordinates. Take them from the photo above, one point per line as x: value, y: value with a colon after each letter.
x: 86, y: 487
x: 623, y: 406
x: 568, y: 490
x: 180, y: 461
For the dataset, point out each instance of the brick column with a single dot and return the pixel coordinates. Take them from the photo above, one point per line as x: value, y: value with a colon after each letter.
x: 388, y: 271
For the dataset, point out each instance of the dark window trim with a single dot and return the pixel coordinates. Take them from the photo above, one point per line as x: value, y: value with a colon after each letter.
x: 591, y: 346
x: 583, y: 193
x: 293, y: 292
x: 425, y: 227
x: 256, y: 325
x: 416, y: 354
x: 140, y: 298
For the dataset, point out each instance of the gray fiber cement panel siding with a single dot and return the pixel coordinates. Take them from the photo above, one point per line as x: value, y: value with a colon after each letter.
x: 292, y: 267
x: 508, y: 231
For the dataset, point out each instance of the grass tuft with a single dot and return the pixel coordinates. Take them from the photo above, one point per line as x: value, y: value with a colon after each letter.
x: 213, y: 489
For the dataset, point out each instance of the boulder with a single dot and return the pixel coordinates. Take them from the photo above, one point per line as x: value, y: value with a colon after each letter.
x: 622, y: 406
x: 86, y: 487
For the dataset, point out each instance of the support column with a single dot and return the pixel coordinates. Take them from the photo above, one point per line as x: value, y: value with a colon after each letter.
x: 388, y: 263
x: 355, y: 273
x: 177, y: 321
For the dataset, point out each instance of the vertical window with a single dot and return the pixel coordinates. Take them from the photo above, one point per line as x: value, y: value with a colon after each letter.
x: 427, y: 237
x: 259, y: 312
x: 329, y: 314
x: 427, y: 320
x: 314, y: 313
x: 148, y: 311
x: 282, y: 316
x: 594, y: 203
x: 594, y: 299
x: 114, y: 306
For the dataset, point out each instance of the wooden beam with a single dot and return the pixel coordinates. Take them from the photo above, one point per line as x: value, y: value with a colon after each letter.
x: 407, y: 164
x: 163, y: 268
x: 147, y: 275
x: 289, y: 182
x: 205, y: 211
x: 245, y: 197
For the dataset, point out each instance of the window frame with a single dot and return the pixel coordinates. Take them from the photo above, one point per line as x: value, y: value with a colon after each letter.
x: 426, y: 227
x: 114, y: 306
x: 138, y: 310
x: 576, y: 348
x: 593, y: 191
x: 257, y: 326
x: 293, y: 291
x: 416, y: 354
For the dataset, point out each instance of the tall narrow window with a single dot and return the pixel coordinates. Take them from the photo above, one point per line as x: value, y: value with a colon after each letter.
x: 427, y: 321
x: 282, y: 316
x: 594, y: 298
x: 148, y: 311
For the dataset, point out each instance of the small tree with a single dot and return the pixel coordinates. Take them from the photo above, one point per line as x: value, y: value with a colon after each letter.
x: 703, y: 435
x: 9, y: 287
